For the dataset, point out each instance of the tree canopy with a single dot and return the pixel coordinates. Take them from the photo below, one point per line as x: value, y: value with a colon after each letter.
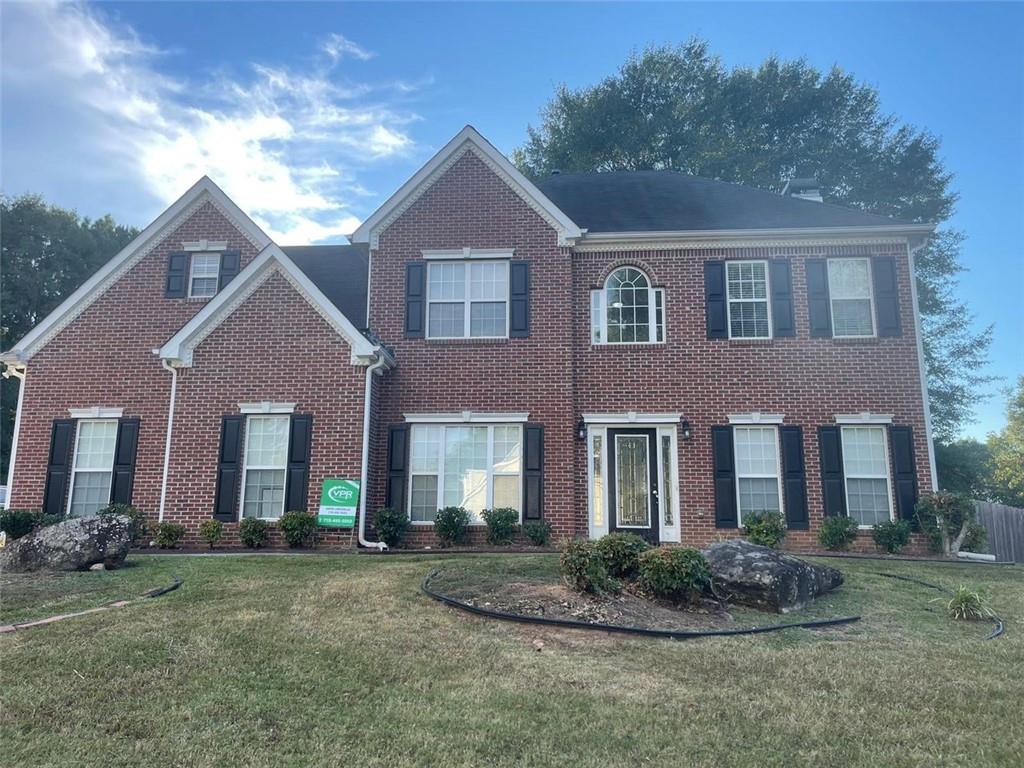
x: 1007, y: 450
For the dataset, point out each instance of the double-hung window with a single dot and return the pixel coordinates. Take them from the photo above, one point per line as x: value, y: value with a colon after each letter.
x: 747, y: 286
x: 849, y: 286
x: 758, y: 486
x: 266, y: 459
x: 204, y: 275
x: 467, y: 299
x: 93, y: 467
x: 866, y: 469
x: 627, y: 310
x: 473, y: 466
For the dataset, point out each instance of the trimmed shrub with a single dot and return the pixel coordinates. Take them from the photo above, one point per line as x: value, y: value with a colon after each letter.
x: 968, y: 604
x: 583, y: 570
x: 674, y: 572
x: 538, y: 532
x: 451, y: 525
x: 976, y: 539
x: 391, y: 525
x: 45, y: 521
x: 766, y: 528
x: 18, y: 522
x: 298, y: 528
x: 621, y: 553
x: 211, y: 531
x: 837, y: 532
x: 138, y: 525
x: 253, y: 532
x: 892, y: 536
x: 946, y: 518
x: 502, y: 524
x: 169, y: 535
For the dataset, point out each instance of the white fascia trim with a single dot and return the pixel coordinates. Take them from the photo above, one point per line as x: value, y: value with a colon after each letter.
x: 466, y: 417
x: 92, y: 288
x: 468, y: 253
x: 367, y: 232
x: 265, y: 407
x: 864, y: 418
x: 631, y: 417
x: 755, y: 418
x: 96, y: 412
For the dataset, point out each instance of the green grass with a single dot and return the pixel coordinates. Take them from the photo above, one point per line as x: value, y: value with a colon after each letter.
x: 339, y: 660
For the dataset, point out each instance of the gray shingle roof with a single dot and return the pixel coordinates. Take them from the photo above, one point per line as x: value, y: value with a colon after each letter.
x: 340, y: 272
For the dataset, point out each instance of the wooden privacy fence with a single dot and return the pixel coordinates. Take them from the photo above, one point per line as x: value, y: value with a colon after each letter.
x: 1004, y: 527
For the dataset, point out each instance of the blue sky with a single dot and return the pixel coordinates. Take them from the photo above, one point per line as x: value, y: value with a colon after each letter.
x: 309, y: 115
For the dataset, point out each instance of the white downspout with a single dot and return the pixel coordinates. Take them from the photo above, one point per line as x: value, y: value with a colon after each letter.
x: 364, y: 467
x: 20, y: 376
x: 167, y: 441
x: 912, y: 252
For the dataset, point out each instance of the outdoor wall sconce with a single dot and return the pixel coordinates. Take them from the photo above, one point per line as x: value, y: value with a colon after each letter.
x: 685, y: 426
x: 581, y: 430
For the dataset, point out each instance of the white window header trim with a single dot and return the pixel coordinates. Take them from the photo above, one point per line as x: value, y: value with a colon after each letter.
x: 755, y: 418
x: 266, y: 407
x: 466, y: 417
x: 631, y: 417
x: 468, y: 253
x: 864, y: 418
x: 96, y: 412
x: 205, y: 245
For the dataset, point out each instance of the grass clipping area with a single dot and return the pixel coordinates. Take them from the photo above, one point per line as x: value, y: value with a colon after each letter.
x: 340, y: 660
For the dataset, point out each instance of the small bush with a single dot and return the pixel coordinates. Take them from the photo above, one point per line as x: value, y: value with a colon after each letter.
x: 138, y: 525
x: 946, y: 520
x: 169, y: 535
x: 583, y: 568
x: 837, y: 532
x: 211, y: 531
x: 674, y: 572
x: 451, y: 525
x: 539, y: 533
x: 391, y: 525
x: 18, y: 522
x: 764, y: 528
x: 502, y: 524
x: 298, y: 528
x: 253, y: 532
x: 892, y: 536
x: 976, y: 539
x: 621, y: 553
x: 969, y: 604
x: 45, y: 521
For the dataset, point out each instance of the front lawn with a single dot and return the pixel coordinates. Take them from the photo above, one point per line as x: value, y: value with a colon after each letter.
x: 339, y: 660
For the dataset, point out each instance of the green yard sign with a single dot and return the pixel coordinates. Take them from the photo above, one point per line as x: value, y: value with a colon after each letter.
x: 338, y: 502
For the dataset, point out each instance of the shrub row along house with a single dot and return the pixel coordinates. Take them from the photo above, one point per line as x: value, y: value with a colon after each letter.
x: 639, y: 351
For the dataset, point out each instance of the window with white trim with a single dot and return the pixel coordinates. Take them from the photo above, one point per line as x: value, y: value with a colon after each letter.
x: 264, y: 466
x: 866, y: 471
x: 473, y: 466
x: 93, y: 467
x: 758, y: 483
x: 204, y: 275
x: 747, y: 291
x: 849, y: 287
x: 627, y: 310
x: 467, y: 299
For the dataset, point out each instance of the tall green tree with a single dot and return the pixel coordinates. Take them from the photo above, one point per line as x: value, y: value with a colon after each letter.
x: 1007, y: 449
x: 46, y: 252
x: 679, y: 108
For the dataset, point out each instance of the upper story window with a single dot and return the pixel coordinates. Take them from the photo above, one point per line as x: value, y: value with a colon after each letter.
x: 204, y: 275
x: 849, y: 286
x: 748, y: 307
x: 93, y: 467
x: 627, y: 310
x: 467, y: 299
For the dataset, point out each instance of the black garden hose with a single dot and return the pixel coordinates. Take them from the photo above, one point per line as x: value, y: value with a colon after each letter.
x: 997, y: 630
x: 164, y: 590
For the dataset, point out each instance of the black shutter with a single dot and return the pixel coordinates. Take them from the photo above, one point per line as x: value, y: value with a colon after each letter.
x: 725, y: 477
x: 58, y: 467
x: 818, y: 305
x: 830, y: 454
x: 229, y: 468
x: 398, y: 454
x: 177, y: 276
x: 124, y: 461
x: 296, y: 489
x: 533, y: 471
x: 415, y: 299
x: 782, y: 298
x: 904, y: 470
x: 519, y: 299
x: 230, y: 263
x: 794, y: 482
x: 887, y: 296
x: 715, y: 314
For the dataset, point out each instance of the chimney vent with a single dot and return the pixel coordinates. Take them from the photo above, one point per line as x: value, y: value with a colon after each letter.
x: 806, y: 188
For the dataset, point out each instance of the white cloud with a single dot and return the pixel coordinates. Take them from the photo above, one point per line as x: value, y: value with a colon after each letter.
x: 286, y: 145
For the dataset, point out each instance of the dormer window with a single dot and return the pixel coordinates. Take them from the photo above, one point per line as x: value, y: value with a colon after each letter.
x: 627, y: 310
x: 204, y: 275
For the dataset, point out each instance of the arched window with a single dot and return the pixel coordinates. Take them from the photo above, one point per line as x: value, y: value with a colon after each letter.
x: 627, y: 310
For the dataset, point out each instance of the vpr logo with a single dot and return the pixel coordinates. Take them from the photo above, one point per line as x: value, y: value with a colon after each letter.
x: 340, y: 493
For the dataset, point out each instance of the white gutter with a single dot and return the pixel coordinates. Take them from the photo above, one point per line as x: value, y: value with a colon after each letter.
x: 167, y: 441
x: 922, y: 371
x: 11, y: 370
x: 382, y: 361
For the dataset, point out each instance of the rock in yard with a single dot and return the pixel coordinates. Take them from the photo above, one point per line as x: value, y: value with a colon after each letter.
x: 72, y: 545
x: 765, y: 578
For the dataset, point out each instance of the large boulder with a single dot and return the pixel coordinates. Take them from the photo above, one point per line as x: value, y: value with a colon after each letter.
x: 765, y: 578
x: 71, y: 545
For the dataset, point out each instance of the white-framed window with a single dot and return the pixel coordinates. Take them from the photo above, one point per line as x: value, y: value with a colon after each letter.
x: 473, y: 466
x: 849, y: 288
x: 264, y: 466
x: 204, y: 275
x: 467, y: 299
x: 758, y: 480
x: 92, y: 469
x: 627, y: 310
x: 748, y: 305
x: 866, y: 472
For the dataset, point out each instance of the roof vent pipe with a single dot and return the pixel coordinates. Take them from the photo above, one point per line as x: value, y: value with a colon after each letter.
x: 806, y: 188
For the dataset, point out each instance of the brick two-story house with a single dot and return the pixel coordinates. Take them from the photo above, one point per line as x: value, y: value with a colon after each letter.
x: 642, y: 351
